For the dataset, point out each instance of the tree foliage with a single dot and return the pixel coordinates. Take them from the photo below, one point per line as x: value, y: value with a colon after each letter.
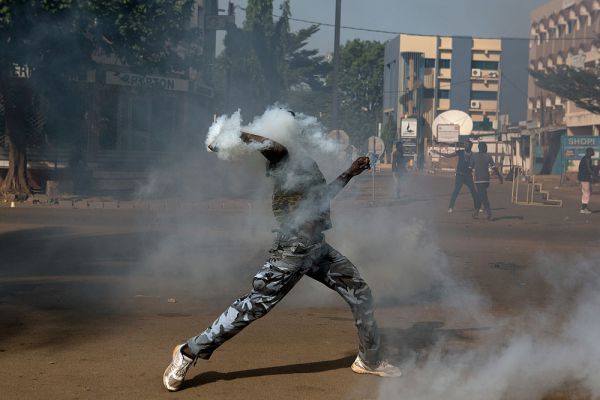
x: 361, y: 88
x: 389, y: 132
x: 581, y: 86
x: 56, y: 40
x: 266, y: 63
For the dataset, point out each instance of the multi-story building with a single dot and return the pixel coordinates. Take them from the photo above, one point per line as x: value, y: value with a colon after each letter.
x: 563, y: 32
x: 427, y: 75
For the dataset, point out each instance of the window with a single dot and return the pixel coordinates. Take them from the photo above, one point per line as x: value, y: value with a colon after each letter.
x: 572, y: 24
x: 443, y: 94
x: 490, y: 65
x: 430, y: 63
x: 428, y: 93
x: 444, y: 63
x: 481, y: 95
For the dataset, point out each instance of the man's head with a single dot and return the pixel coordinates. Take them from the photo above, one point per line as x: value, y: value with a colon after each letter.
x: 482, y: 147
x: 589, y: 152
x: 468, y: 145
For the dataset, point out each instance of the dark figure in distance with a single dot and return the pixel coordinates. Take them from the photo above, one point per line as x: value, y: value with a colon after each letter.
x: 481, y: 163
x: 586, y: 176
x: 464, y: 174
x: 398, y: 167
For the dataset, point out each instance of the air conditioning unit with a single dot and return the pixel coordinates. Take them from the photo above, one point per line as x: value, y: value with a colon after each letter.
x: 475, y: 104
x: 476, y: 73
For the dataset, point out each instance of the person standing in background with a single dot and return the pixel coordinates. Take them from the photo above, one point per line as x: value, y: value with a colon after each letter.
x: 398, y: 167
x: 481, y: 164
x: 586, y: 176
x: 464, y: 174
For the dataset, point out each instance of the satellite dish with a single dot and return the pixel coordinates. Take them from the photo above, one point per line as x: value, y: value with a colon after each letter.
x: 454, y: 117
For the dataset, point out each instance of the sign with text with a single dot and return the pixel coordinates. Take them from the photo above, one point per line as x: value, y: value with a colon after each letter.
x: 408, y: 128
x: 147, y: 81
x: 20, y: 71
x: 448, y: 133
x: 574, y: 146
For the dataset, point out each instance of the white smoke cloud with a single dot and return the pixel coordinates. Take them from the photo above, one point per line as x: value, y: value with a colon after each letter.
x: 299, y: 133
x: 532, y: 354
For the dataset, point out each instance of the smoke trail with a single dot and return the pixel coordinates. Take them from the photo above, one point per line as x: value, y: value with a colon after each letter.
x: 546, y: 348
x: 300, y: 132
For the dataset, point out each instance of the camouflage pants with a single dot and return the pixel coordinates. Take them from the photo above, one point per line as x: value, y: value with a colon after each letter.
x: 291, y: 258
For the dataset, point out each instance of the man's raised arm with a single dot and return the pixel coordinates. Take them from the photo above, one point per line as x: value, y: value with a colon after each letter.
x: 270, y: 149
x: 358, y: 166
x: 273, y: 151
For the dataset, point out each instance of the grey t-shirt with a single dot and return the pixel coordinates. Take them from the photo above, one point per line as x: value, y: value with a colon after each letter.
x: 481, y: 163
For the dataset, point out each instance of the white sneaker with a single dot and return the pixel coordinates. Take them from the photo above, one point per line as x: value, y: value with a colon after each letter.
x: 450, y: 210
x: 175, y: 372
x: 384, y: 369
x: 585, y: 211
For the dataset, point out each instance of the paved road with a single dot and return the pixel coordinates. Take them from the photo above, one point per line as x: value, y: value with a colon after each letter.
x: 84, y: 293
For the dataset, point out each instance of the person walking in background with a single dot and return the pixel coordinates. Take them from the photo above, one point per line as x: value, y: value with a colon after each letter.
x: 398, y: 167
x: 481, y: 164
x: 585, y: 176
x: 464, y: 174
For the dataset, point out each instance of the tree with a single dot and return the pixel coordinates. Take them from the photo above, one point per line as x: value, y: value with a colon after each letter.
x: 579, y: 85
x: 361, y: 88
x: 266, y: 63
x: 54, y: 42
x: 389, y: 132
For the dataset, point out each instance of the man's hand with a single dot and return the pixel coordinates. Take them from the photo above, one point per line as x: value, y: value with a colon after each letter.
x: 359, y: 165
x: 213, y: 147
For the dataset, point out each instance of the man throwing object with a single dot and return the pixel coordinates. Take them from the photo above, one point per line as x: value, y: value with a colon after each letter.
x: 301, y: 199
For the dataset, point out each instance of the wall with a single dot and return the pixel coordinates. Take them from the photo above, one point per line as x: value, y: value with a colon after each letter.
x: 460, y: 93
x: 513, y: 89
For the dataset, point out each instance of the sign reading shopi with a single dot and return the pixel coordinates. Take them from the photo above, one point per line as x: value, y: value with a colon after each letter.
x: 574, y: 146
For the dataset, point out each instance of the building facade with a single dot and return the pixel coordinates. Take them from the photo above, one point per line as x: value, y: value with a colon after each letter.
x: 427, y: 75
x: 121, y: 120
x: 563, y: 32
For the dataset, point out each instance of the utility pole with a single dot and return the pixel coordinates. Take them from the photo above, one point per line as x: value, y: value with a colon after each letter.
x: 336, y: 66
x: 498, y: 128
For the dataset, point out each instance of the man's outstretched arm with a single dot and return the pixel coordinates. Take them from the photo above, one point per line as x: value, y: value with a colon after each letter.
x: 273, y: 151
x: 270, y: 149
x: 444, y: 155
x: 358, y: 166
